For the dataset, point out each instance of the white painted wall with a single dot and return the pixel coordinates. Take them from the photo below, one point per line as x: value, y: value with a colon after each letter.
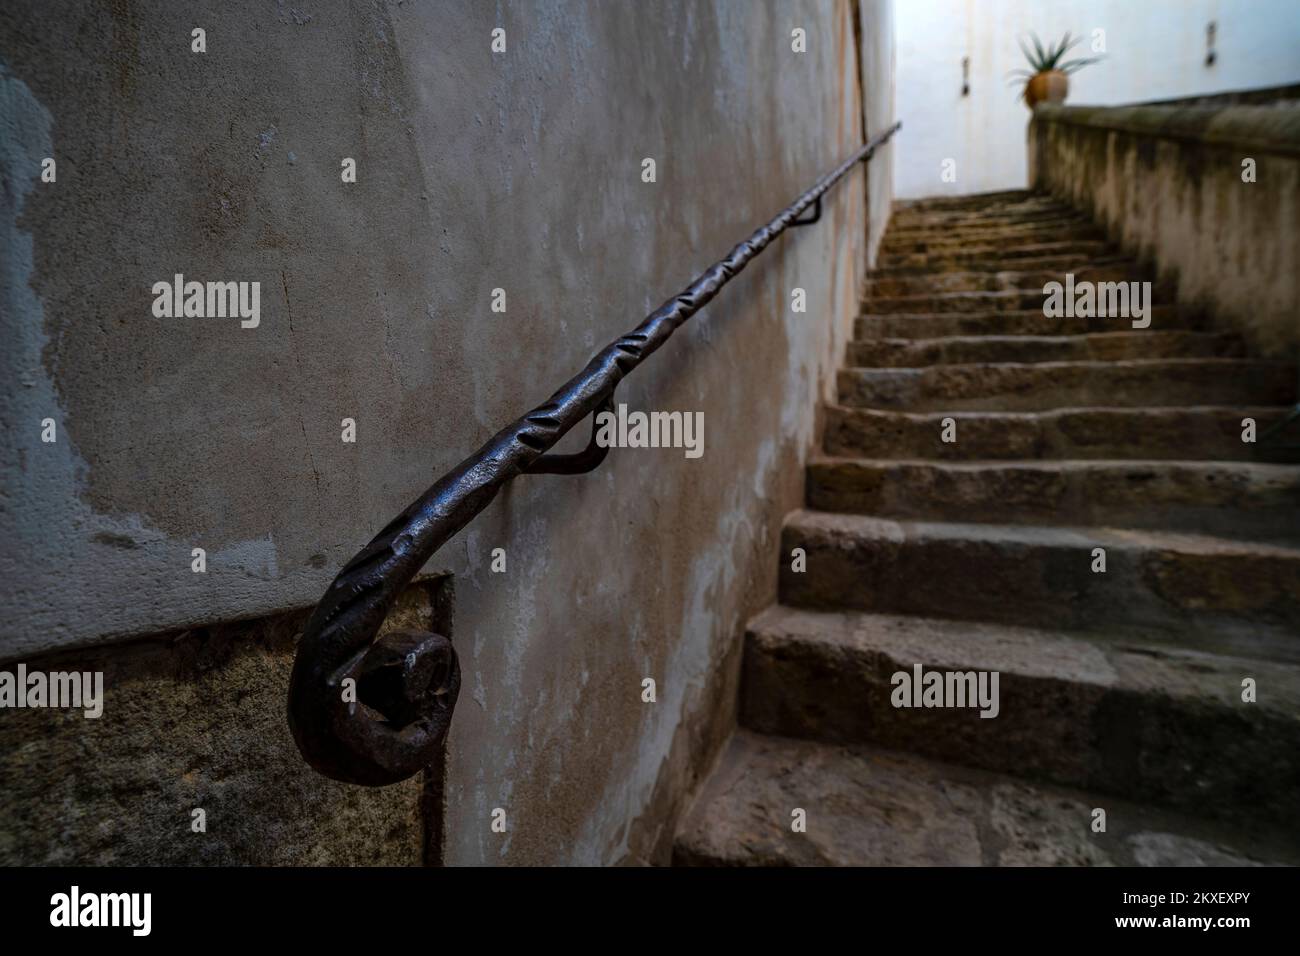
x: 879, y: 67
x: 1155, y: 49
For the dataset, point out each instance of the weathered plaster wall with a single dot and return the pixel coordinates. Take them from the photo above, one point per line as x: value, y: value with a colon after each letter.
x: 476, y: 171
x: 1167, y: 183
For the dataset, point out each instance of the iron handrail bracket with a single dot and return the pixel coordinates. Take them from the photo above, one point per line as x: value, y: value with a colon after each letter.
x: 375, y: 712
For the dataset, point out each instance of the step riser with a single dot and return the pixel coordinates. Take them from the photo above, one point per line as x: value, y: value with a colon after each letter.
x: 1245, y: 597
x: 1230, y: 501
x: 942, y: 242
x: 1050, y: 224
x: 1211, y: 758
x: 1052, y: 263
x: 1064, y: 385
x: 1088, y: 434
x: 961, y: 227
x: 954, y: 239
x: 1008, y: 300
x: 999, y: 197
x: 1010, y: 212
x: 1163, y: 318
x: 1079, y: 250
x: 1006, y: 281
x: 904, y: 353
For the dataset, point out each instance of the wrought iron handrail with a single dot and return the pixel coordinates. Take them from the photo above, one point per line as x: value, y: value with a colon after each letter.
x: 389, y: 723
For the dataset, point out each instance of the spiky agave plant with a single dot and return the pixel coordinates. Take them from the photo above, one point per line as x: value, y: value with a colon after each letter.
x: 1046, y: 59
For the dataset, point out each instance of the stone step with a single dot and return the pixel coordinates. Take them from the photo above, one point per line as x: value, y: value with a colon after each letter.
x: 1027, y: 322
x: 937, y: 282
x: 1012, y: 210
x: 1143, y: 721
x: 1001, y: 300
x: 1093, y: 347
x: 1057, y: 263
x: 1079, y: 249
x: 973, y: 229
x: 1023, y: 217
x: 1228, y: 499
x: 866, y: 806
x: 1200, y: 433
x: 969, y: 201
x: 944, y: 241
x: 1227, y: 596
x: 1018, y: 387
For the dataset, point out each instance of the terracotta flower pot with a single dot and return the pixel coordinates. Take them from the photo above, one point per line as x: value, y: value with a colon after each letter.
x: 1051, y: 86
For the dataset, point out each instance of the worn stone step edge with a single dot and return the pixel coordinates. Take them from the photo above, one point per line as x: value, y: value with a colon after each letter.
x: 1224, y: 499
x: 1163, y: 318
x: 915, y: 227
x: 1231, y: 596
x: 867, y: 806
x: 998, y: 300
x: 966, y: 199
x: 1140, y: 720
x: 1026, y: 349
x: 1081, y: 249
x: 1061, y: 263
x: 1191, y: 432
x: 1029, y: 386
x: 944, y: 241
x: 946, y: 282
x: 1021, y: 217
x: 1002, y: 209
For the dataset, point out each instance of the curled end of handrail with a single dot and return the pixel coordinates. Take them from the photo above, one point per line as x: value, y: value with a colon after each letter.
x: 384, y: 716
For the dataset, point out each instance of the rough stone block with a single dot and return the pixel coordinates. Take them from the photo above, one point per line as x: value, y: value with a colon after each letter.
x: 196, y: 719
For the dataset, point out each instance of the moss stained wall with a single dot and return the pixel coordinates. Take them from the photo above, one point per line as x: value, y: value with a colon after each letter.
x: 1167, y: 183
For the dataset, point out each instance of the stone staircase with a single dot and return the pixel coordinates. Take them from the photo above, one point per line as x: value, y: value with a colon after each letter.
x: 1119, y: 691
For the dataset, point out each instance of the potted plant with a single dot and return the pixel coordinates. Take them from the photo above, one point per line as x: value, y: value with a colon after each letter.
x: 1049, y: 80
